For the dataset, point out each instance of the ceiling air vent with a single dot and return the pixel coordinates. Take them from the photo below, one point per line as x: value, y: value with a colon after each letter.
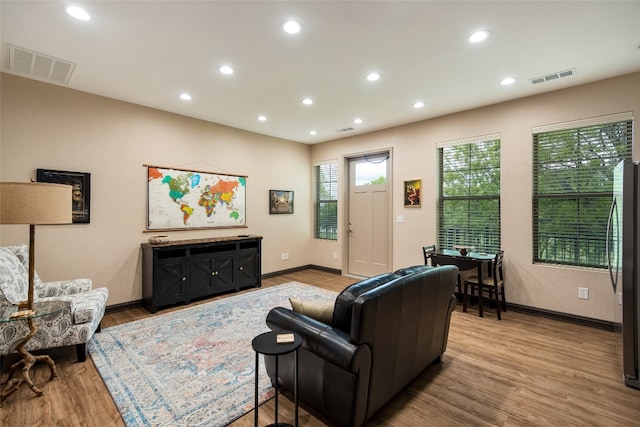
x: 553, y: 76
x: 40, y: 66
x: 344, y: 130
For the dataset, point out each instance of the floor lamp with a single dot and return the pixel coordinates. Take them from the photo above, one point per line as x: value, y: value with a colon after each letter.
x: 34, y: 203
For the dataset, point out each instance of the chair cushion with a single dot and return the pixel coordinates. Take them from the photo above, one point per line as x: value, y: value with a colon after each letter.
x: 322, y: 311
x: 13, y: 278
x: 411, y: 270
x: 344, y: 301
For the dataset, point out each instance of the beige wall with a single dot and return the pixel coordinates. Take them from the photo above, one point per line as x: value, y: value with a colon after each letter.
x: 414, y: 156
x: 47, y: 126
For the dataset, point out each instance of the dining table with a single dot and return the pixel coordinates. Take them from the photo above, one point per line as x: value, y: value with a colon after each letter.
x: 468, y: 261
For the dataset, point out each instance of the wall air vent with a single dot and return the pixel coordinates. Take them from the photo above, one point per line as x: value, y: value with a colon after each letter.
x: 39, y: 66
x: 344, y: 130
x: 553, y: 76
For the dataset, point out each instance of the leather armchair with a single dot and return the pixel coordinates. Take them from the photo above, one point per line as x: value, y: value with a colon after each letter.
x: 385, y: 331
x: 74, y: 325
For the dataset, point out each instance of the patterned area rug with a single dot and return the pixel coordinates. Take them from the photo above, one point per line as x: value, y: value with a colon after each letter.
x: 192, y: 367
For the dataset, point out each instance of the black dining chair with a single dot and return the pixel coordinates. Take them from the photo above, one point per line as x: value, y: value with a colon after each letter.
x: 494, y: 285
x: 428, y: 251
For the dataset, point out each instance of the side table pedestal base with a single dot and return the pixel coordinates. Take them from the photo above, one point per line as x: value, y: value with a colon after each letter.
x: 27, y: 361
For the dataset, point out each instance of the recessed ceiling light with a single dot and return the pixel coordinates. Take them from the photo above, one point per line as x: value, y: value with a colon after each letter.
x: 507, y: 81
x: 357, y: 121
x: 372, y: 77
x: 225, y: 69
x: 78, y: 13
x: 418, y: 104
x: 262, y: 118
x: 313, y: 132
x: 291, y: 27
x: 307, y: 101
x: 478, y: 36
x: 185, y: 97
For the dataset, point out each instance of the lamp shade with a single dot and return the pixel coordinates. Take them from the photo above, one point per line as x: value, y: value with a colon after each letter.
x: 35, y: 203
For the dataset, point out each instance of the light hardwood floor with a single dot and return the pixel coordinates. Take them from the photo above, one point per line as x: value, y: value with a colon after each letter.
x: 521, y: 371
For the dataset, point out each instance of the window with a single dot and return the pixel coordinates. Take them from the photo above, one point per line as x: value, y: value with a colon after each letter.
x: 371, y: 172
x: 326, y: 209
x: 573, y: 190
x: 469, y: 195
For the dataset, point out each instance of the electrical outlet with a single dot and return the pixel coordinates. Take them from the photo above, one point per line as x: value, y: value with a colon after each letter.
x: 284, y: 256
x: 583, y: 293
x: 619, y: 298
x: 335, y: 255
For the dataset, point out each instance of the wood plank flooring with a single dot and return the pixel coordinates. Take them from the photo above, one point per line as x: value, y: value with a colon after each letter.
x: 521, y: 371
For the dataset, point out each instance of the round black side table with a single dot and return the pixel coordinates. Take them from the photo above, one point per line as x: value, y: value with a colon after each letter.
x: 267, y: 344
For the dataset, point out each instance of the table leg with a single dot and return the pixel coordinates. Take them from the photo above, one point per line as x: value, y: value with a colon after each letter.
x: 255, y: 418
x: 27, y: 361
x: 276, y: 397
x: 295, y: 388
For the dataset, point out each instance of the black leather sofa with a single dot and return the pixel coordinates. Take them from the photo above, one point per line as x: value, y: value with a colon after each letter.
x: 385, y: 331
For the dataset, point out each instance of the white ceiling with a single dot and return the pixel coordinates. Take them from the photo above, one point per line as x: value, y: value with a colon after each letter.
x: 148, y: 52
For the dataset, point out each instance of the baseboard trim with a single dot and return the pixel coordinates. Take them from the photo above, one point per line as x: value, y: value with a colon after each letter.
x: 122, y: 306
x: 564, y: 317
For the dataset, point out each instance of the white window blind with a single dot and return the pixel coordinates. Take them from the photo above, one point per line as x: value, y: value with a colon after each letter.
x: 573, y: 188
x: 326, y: 206
x: 469, y: 194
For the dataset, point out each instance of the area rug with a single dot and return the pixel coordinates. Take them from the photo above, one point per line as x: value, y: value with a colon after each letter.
x: 195, y: 366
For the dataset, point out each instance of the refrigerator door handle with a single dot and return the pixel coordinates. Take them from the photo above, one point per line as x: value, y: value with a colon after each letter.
x: 613, y: 215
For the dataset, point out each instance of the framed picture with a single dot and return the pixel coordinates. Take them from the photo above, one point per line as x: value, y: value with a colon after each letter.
x: 81, y: 193
x: 184, y: 199
x: 280, y: 202
x: 412, y: 193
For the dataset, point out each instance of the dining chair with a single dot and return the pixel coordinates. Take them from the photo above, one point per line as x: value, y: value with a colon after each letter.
x: 494, y: 285
x: 428, y: 251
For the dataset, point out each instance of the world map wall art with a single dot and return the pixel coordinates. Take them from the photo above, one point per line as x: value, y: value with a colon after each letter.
x: 180, y: 199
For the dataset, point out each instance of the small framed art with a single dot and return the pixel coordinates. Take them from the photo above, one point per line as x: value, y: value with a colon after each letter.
x: 412, y: 193
x: 80, y: 194
x: 280, y: 202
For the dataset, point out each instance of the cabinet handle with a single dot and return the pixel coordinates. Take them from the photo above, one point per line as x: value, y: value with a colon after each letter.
x: 241, y: 268
x: 213, y: 273
x: 184, y: 279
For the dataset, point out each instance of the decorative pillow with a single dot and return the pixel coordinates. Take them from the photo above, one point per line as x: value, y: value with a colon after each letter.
x: 22, y: 252
x: 13, y: 278
x: 322, y: 311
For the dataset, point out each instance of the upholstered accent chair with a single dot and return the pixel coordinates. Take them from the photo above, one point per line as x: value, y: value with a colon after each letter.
x: 75, y: 325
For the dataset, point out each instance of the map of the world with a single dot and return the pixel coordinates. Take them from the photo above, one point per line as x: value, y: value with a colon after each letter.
x: 181, y: 199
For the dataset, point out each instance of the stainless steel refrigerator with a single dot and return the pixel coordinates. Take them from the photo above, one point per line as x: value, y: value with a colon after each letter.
x: 623, y: 253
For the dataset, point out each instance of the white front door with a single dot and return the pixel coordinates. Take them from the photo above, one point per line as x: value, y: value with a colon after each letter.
x: 369, y: 215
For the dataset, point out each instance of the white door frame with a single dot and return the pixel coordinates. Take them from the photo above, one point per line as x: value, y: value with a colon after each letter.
x: 344, y: 209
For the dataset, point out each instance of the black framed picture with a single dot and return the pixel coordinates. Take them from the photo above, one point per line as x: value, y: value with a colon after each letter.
x: 81, y: 192
x: 280, y: 202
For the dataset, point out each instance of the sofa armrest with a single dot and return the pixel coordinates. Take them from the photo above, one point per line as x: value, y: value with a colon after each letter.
x: 321, y: 339
x: 63, y: 287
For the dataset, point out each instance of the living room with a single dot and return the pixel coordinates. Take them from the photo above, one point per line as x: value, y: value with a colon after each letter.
x: 54, y: 127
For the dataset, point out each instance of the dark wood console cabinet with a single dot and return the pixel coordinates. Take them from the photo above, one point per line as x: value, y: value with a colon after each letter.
x: 180, y: 271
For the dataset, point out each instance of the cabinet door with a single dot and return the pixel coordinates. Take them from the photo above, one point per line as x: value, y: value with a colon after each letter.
x: 171, y: 281
x: 248, y: 270
x: 211, y: 273
x: 202, y: 274
x: 223, y: 263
